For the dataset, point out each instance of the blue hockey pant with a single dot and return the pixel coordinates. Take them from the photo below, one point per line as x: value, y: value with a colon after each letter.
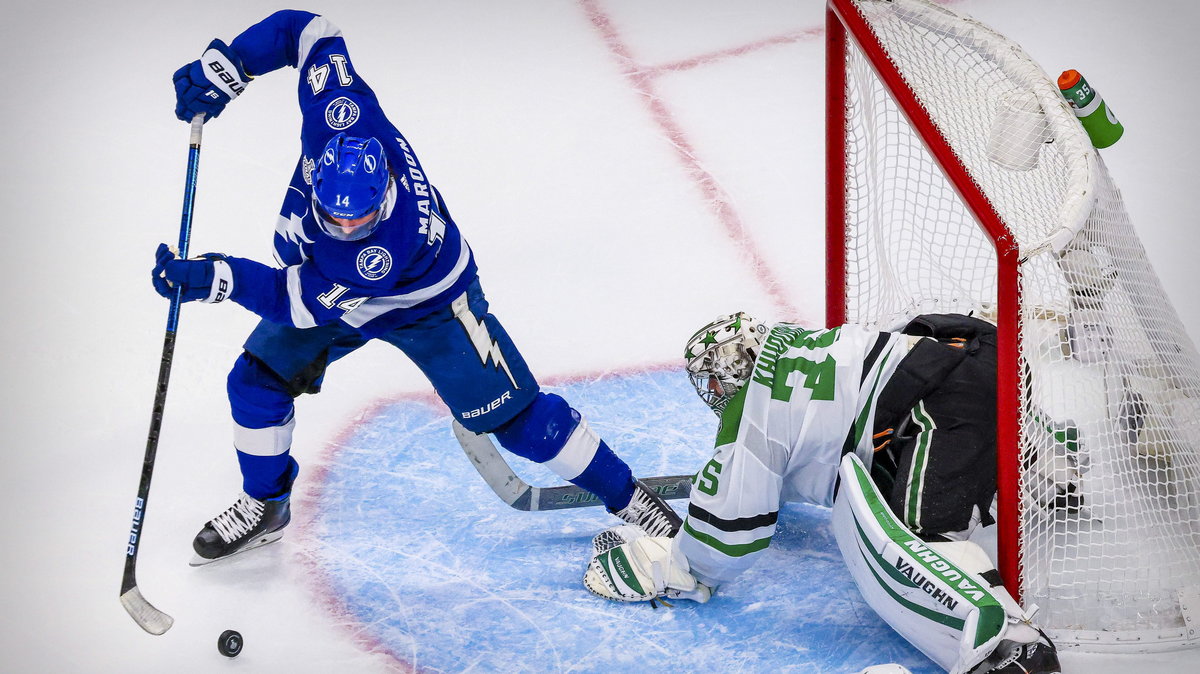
x: 469, y: 359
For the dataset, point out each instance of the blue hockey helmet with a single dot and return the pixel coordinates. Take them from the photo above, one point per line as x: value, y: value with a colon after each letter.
x: 351, y: 181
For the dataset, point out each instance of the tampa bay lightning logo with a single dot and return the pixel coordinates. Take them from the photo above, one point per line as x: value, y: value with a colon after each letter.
x: 374, y: 262
x: 341, y: 113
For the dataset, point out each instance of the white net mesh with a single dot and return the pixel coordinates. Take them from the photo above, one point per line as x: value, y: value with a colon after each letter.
x: 1110, y: 462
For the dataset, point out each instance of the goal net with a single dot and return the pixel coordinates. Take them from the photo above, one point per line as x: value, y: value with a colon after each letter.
x: 961, y: 181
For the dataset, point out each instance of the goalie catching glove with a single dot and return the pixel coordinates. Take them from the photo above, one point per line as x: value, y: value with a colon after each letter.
x: 627, y: 565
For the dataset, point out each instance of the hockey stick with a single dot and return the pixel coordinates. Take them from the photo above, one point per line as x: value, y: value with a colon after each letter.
x: 519, y: 494
x: 143, y: 613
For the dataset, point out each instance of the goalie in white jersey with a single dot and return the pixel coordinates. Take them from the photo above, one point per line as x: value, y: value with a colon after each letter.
x: 893, y: 430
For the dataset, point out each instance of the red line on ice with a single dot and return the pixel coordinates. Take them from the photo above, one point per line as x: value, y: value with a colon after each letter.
x: 816, y: 33
x: 642, y: 80
x: 308, y: 543
x: 742, y: 50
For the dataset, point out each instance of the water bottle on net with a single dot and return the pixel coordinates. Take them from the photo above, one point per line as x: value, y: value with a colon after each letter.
x: 1098, y: 120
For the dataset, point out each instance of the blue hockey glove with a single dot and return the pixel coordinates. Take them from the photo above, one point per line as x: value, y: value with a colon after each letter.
x: 207, y: 278
x: 207, y: 84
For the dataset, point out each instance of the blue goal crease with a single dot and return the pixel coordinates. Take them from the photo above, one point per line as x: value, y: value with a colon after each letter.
x: 436, y: 567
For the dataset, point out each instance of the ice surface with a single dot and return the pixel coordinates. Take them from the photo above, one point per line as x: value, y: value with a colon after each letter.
x: 624, y: 171
x: 435, y: 566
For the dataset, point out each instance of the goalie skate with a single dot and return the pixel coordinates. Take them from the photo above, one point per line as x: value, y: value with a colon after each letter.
x: 649, y: 512
x: 1038, y: 657
x: 247, y: 524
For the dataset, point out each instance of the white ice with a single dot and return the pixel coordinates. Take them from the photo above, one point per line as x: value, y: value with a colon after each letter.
x: 600, y: 204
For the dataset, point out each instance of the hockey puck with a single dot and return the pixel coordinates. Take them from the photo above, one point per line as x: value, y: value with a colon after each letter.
x: 230, y: 643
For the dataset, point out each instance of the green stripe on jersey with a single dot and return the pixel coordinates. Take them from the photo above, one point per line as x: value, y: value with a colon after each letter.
x: 727, y: 549
x: 860, y: 424
x: 731, y: 418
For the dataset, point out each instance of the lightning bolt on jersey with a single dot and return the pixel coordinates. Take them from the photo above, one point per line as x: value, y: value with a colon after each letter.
x: 811, y: 399
x: 414, y: 262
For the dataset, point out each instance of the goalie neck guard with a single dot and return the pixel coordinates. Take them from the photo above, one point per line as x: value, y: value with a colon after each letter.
x: 720, y: 357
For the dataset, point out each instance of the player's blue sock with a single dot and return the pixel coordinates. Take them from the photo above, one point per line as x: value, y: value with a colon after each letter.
x: 608, y: 477
x: 551, y: 433
x: 265, y: 477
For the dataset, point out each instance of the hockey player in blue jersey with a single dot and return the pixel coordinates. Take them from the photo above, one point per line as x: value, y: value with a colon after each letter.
x: 366, y: 249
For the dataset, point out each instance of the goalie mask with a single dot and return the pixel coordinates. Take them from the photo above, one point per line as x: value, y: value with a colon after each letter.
x: 720, y: 357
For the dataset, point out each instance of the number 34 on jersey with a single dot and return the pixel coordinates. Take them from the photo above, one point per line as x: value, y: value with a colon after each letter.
x: 782, y: 373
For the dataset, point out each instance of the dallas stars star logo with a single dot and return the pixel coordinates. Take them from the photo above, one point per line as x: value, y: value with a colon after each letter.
x: 709, y: 339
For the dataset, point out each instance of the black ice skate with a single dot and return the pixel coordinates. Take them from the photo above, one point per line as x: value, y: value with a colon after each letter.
x: 1039, y: 657
x: 247, y: 524
x: 648, y: 511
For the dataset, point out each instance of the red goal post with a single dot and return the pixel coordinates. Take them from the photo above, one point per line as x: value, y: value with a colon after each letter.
x: 959, y: 180
x: 843, y: 16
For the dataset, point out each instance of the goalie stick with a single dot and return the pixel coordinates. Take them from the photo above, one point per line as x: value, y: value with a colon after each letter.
x: 142, y: 611
x: 519, y: 494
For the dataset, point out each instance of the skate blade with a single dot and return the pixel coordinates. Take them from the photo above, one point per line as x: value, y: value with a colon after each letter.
x: 262, y: 540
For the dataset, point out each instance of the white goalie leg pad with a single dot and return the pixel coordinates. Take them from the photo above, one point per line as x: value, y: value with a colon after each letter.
x: 947, y: 611
x: 972, y: 558
x: 627, y: 565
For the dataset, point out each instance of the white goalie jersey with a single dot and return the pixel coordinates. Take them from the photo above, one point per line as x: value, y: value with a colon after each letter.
x: 811, y: 399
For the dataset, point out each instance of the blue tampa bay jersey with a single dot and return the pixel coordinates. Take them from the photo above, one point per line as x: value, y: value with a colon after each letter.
x: 414, y: 262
